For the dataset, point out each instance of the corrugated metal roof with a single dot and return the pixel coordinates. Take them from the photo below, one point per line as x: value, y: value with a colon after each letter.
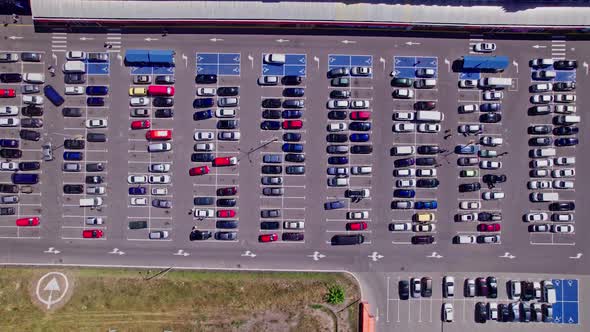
x: 314, y: 11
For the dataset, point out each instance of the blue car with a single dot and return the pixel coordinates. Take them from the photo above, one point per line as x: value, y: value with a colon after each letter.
x: 97, y: 90
x: 291, y: 137
x: 203, y: 102
x: 334, y: 205
x: 359, y: 137
x: 270, y: 125
x: 290, y: 147
x: 424, y: 205
x: 359, y: 126
x: 8, y: 143
x: 202, y: 115
x: 291, y: 114
x: 466, y: 149
x: 70, y: 155
x: 566, y: 141
x: 337, y: 160
x: 293, y: 92
x: 404, y: 193
x: 137, y: 191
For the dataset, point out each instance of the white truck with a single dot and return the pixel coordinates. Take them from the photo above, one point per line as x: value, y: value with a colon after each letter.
x: 429, y: 116
x: 495, y: 82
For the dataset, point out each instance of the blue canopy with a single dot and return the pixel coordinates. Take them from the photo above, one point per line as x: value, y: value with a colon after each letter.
x: 484, y: 63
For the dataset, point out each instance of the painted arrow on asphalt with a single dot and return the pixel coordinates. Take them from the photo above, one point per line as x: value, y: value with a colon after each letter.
x: 316, y: 255
x: 585, y: 64
x: 215, y: 39
x: 411, y: 43
x: 539, y: 46
x: 317, y: 60
x: 185, y: 58
x: 181, y: 252
x: 150, y: 39
x: 116, y: 251
x: 348, y: 41
x: 282, y: 40
x: 15, y: 37
x: 52, y: 250
x: 86, y: 38
x: 577, y: 256
x: 382, y: 60
x: 248, y: 253
x: 375, y: 256
x: 251, y: 58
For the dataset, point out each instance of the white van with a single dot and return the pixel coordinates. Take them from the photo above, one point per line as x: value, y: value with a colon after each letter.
x: 495, y: 82
x: 34, y: 78
x: 361, y: 170
x: 275, y: 58
x: 90, y: 202
x: 74, y: 67
x: 549, y: 294
x: 403, y: 150
x: 514, y: 289
x: 337, y: 182
x: 542, y: 153
x: 429, y: 116
x: 544, y: 197
x: 567, y: 119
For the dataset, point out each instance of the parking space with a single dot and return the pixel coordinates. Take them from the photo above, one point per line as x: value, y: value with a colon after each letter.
x: 21, y: 119
x: 226, y: 64
x: 406, y: 66
x: 294, y: 65
x: 348, y: 61
x: 567, y: 308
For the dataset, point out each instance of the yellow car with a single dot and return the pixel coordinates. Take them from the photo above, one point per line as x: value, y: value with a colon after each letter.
x: 424, y: 217
x: 138, y: 92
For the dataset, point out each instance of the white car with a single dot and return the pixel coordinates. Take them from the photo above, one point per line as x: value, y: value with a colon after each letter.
x: 429, y: 128
x: 565, y: 161
x: 565, y: 98
x: 562, y: 217
x: 96, y: 190
x: 354, y: 215
x: 541, y: 163
x: 276, y: 58
x: 563, y: 173
x: 426, y: 172
x: 492, y: 311
x: 464, y: 239
x: 468, y: 108
x: 268, y: 80
x: 337, y: 104
x: 206, y: 91
x: 540, y: 173
x: 159, y: 168
x: 361, y: 71
x: 158, y: 179
x: 404, y: 172
x: 404, y: 127
x: 337, y: 126
x: 448, y: 286
x: 33, y: 100
x: 544, y: 74
x: 491, y: 141
x: 204, y: 213
x: 204, y: 136
x: 96, y: 123
x: 448, y: 312
x: 541, y: 87
x: 9, y: 166
x: 536, y: 216
x: 484, y: 47
x: 493, y: 95
x: 139, y: 101
x: 403, y: 116
x: 94, y: 221
x: 423, y: 228
x: 360, y: 170
x: 470, y: 128
x: 204, y: 147
x: 225, y: 113
x: 539, y: 184
x: 488, y: 164
x: 468, y: 84
x: 541, y: 99
x: 560, y: 184
x: 76, y: 55
x: 492, y: 195
x: 9, y: 122
x: 470, y: 205
x: 159, y: 191
x: 359, y: 104
x: 564, y: 109
x: 400, y: 227
x: 8, y: 110
x: 409, y: 183
x: 74, y: 90
x: 467, y: 217
x: 228, y: 135
x: 136, y: 179
x: 562, y: 228
x: 293, y: 225
x: 403, y: 93
x: 138, y: 201
x: 541, y: 63
x: 159, y: 147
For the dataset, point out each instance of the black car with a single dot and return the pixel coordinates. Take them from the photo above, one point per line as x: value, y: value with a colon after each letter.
x: 340, y: 94
x: 540, y: 141
x: 359, y: 126
x: 268, y: 225
x: 7, y: 211
x: 227, y: 124
x: 270, y: 125
x: 291, y: 137
x: 30, y: 57
x: 73, y: 189
x: 490, y: 118
x: 11, y: 153
x: 564, y: 86
x: 481, y: 312
x: 562, y: 206
x: 539, y: 129
x: 206, y: 79
x: 337, y: 138
x: 422, y: 239
x: 469, y: 187
x: 29, y: 165
x: 295, y: 157
x: 96, y: 137
x: 293, y: 92
x: 490, y: 107
x: 32, y: 111
x: 467, y: 161
x: 492, y: 287
x: 203, y: 102
x: 29, y: 135
x: 291, y: 114
x: 427, y: 183
x: 202, y: 115
x: 503, y: 313
x: 271, y: 114
x: 11, y: 78
x: 428, y: 149
x: 74, y: 144
x: 404, y: 162
x: 527, y: 290
x: 203, y: 200
x: 566, y: 141
x: 292, y: 237
x: 94, y: 167
x: 164, y: 79
x: 227, y: 224
x: 298, y: 170
x: 95, y: 101
x: 202, y: 157
x: 226, y: 236
x: 401, y: 82
x: 31, y: 123
x: 489, y: 216
x: 226, y: 202
x: 426, y: 286
x: 271, y: 169
x: 8, y: 188
x: 226, y: 91
x: 404, y: 289
x: 74, y: 78
x: 424, y: 105
x: 93, y: 179
x: 361, y: 149
x: 425, y: 161
x: 73, y: 112
x: 197, y: 235
x: 291, y: 80
x: 163, y: 102
x: 493, y: 178
x: 272, y: 103
x: 565, y: 131
x: 337, y: 115
x: 164, y: 113
x: 565, y: 64
x: 28, y: 89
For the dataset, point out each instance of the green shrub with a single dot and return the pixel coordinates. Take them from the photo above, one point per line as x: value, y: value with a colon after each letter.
x: 335, y: 294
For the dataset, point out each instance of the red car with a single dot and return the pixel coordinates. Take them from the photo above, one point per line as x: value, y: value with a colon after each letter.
x: 268, y: 237
x: 488, y: 227
x: 356, y: 226
x: 202, y: 170
x: 32, y: 221
x: 360, y: 115
x: 143, y: 124
x: 225, y: 161
x: 160, y: 90
x: 226, y: 214
x: 7, y: 93
x: 228, y: 191
x: 159, y: 135
x: 292, y: 124
x: 92, y: 234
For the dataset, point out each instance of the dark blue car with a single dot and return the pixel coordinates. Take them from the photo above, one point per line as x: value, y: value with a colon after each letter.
x: 359, y: 137
x: 291, y: 137
x: 97, y: 90
x: 490, y: 107
x: 405, y: 162
x: 270, y: 125
x: 8, y: 143
x: 334, y: 205
x: 337, y: 160
x: 291, y: 114
x: 404, y: 193
x: 293, y: 92
x: 202, y: 115
x: 203, y: 102
x: 360, y: 126
x: 566, y: 141
x: 137, y: 191
x: 95, y: 101
x: 423, y: 205
x: 290, y: 147
x: 69, y: 155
